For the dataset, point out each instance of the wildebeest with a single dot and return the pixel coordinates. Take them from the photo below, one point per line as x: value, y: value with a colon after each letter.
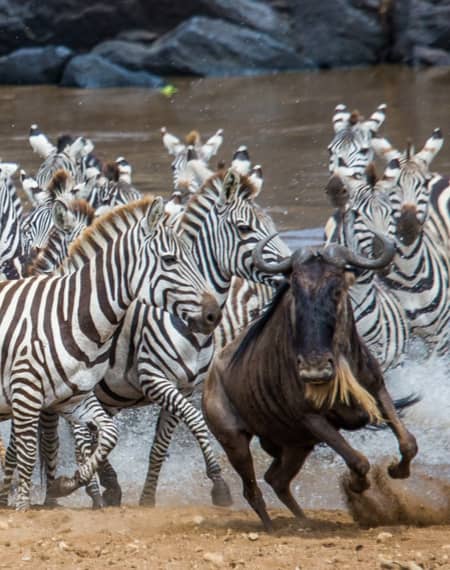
x: 299, y: 374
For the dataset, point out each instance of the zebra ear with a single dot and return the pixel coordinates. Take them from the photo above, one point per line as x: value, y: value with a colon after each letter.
x: 383, y: 149
x: 230, y: 185
x: 154, y: 215
x: 62, y: 216
x: 431, y: 148
x: 376, y: 119
x: 390, y: 176
x: 341, y: 118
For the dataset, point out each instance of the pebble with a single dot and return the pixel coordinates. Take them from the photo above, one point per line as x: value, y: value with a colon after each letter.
x: 215, y: 558
x: 384, y: 536
x: 411, y: 565
x: 385, y: 562
x: 4, y: 525
x: 198, y: 519
x: 253, y: 536
x: 63, y: 545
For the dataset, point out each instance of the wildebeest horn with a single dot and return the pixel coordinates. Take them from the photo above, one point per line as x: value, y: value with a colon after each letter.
x: 281, y: 267
x: 341, y: 255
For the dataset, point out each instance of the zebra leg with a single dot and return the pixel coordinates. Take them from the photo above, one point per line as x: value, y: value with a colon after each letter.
x: 87, y: 411
x: 112, y: 495
x: 48, y: 447
x: 163, y: 392
x: 165, y: 427
x: 83, y: 451
x: 9, y: 468
x: 26, y: 428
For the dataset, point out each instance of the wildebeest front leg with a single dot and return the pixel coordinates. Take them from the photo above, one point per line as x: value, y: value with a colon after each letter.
x: 407, y: 442
x: 284, y: 468
x: 321, y: 429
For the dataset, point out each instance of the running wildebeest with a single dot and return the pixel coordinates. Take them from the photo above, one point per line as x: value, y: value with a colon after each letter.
x: 299, y: 374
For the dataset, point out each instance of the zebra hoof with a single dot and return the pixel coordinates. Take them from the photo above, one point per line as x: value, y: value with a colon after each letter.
x: 51, y: 503
x: 63, y: 486
x: 220, y: 494
x: 98, y: 503
x: 147, y: 501
x: 113, y: 497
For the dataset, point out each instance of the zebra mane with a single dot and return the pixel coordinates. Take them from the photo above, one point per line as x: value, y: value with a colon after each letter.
x: 208, y: 195
x: 116, y: 221
x: 60, y: 183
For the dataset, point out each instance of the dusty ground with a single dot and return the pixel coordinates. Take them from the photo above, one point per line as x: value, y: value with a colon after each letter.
x: 208, y: 538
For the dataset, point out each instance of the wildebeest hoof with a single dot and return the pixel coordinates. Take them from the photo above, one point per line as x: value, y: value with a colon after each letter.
x: 63, y: 486
x: 51, y: 503
x: 113, y: 497
x: 399, y: 470
x: 358, y: 484
x: 220, y: 494
x: 98, y: 502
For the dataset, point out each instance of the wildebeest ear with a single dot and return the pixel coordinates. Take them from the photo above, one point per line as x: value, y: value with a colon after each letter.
x: 62, y: 216
x: 230, y: 185
x: 154, y: 215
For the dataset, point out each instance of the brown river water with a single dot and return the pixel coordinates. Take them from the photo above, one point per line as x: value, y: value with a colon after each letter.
x: 285, y: 120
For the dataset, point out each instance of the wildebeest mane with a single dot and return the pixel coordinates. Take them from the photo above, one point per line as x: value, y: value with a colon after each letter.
x: 256, y: 328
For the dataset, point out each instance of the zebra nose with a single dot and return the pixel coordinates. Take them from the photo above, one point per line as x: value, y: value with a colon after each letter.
x: 212, y: 312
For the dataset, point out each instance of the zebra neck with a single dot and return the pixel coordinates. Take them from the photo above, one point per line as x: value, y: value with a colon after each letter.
x: 99, y: 298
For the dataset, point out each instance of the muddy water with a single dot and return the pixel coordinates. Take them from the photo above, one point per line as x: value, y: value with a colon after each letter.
x: 285, y: 120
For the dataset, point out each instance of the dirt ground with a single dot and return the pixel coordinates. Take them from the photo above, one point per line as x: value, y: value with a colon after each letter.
x: 208, y: 538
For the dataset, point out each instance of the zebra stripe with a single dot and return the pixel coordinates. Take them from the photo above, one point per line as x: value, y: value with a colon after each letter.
x: 10, y: 224
x: 58, y: 330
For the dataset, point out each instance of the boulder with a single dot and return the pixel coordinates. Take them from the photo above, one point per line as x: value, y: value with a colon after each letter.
x: 138, y: 36
x: 336, y: 33
x: 430, y: 56
x: 94, y: 71
x: 34, y: 65
x: 128, y: 54
x: 211, y: 47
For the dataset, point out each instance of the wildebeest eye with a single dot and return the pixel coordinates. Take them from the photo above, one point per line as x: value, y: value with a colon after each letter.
x: 169, y: 259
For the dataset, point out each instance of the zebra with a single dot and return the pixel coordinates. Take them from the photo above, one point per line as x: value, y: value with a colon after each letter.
x: 37, y: 225
x: 438, y: 219
x: 69, y: 220
x: 419, y: 275
x: 155, y: 359
x: 353, y: 137
x: 10, y: 224
x: 68, y: 155
x: 58, y: 329
x: 380, y: 318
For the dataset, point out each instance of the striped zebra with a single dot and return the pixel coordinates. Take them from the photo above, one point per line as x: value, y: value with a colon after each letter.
x: 58, y: 330
x: 419, y: 275
x: 352, y: 142
x: 69, y: 220
x: 36, y: 226
x: 380, y: 318
x: 10, y: 224
x: 438, y: 219
x: 184, y: 180
x: 155, y: 359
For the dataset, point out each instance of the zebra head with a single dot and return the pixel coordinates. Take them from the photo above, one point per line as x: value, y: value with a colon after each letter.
x: 72, y: 218
x: 232, y: 228
x: 168, y: 276
x: 410, y: 195
x: 353, y: 137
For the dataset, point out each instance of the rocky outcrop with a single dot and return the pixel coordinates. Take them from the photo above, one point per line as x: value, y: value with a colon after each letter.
x: 94, y: 71
x: 216, y: 37
x: 29, y: 66
x: 206, y: 46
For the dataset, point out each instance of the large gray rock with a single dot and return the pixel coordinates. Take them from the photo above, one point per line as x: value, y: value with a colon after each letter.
x: 206, y: 46
x: 430, y: 56
x: 29, y: 66
x: 339, y: 32
x: 420, y: 24
x: 129, y: 54
x: 94, y: 71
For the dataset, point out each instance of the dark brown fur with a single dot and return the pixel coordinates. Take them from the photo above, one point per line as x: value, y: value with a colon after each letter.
x: 256, y: 386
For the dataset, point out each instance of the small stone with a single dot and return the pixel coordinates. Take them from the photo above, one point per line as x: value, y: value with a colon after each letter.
x: 26, y: 557
x: 4, y: 525
x: 253, y: 536
x: 384, y: 536
x: 214, y: 557
x: 63, y: 545
x: 411, y: 565
x: 198, y: 519
x: 445, y: 547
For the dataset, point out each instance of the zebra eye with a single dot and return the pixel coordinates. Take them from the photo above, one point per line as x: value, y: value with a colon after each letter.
x: 169, y: 259
x: 364, y: 151
x: 244, y: 228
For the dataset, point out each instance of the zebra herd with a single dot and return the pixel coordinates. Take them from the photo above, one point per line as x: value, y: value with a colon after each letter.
x: 111, y: 300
